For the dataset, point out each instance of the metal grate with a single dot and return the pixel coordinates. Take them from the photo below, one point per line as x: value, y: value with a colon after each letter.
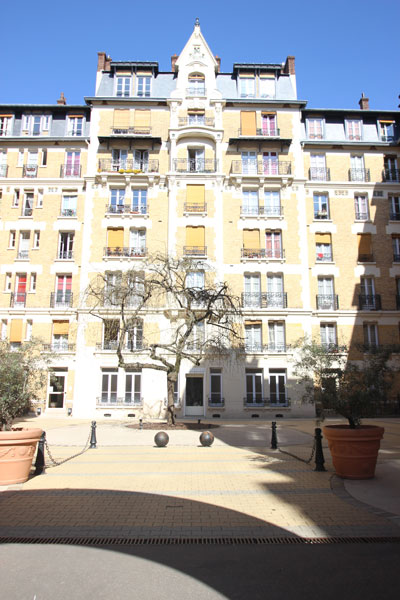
x: 160, y: 541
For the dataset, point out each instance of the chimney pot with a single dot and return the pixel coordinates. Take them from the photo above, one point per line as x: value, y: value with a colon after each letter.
x: 218, y: 59
x: 62, y: 99
x: 364, y: 102
x: 174, y: 58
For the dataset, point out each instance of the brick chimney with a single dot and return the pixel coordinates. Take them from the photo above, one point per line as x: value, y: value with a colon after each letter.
x: 364, y: 102
x: 217, y: 58
x: 103, y: 62
x: 174, y: 58
x: 289, y: 69
x: 62, y: 99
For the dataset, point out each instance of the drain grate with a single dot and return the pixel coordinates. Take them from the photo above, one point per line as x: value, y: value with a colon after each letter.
x: 160, y: 541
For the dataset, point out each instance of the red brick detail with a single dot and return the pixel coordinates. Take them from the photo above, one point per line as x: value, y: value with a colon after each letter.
x: 289, y: 69
x: 174, y: 58
x: 364, y: 102
x: 218, y: 59
x: 62, y: 99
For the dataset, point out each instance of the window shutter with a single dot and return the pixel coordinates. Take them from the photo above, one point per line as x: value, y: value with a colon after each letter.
x: 248, y: 122
x: 115, y: 238
x: 195, y: 194
x: 142, y: 118
x: 322, y: 238
x: 60, y: 327
x: 121, y: 118
x: 251, y: 238
x: 364, y: 243
x: 195, y: 236
x: 16, y: 330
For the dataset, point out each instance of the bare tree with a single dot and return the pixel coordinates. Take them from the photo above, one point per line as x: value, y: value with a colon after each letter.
x: 202, y: 317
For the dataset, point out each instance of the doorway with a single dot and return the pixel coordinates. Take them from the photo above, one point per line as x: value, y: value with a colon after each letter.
x: 194, y: 405
x: 57, y: 390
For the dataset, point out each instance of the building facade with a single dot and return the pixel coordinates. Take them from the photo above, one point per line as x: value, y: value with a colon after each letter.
x: 297, y: 209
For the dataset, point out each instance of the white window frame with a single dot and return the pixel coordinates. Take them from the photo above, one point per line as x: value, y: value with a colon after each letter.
x: 135, y: 396
x: 253, y: 337
x: 353, y: 129
x: 361, y: 207
x: 315, y: 128
x: 143, y: 86
x: 32, y: 282
x: 247, y: 87
x: 126, y: 89
x: 257, y: 381
x: 12, y: 240
x: 370, y: 331
x: 16, y: 197
x: 66, y: 209
x: 328, y: 335
x: 106, y: 391
x: 321, y: 206
x: 6, y: 126
x: 36, y: 239
x: 276, y: 336
x: 73, y: 126
x: 216, y: 374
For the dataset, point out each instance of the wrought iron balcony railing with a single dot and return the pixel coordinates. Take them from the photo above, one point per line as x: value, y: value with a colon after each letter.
x: 195, y: 165
x: 259, y: 211
x: 327, y: 302
x: 133, y: 209
x: 199, y: 121
x: 18, y: 299
x: 396, y: 257
x: 29, y: 171
x: 258, y: 348
x: 112, y: 345
x: 23, y: 255
x: 261, y: 167
x: 363, y: 258
x: 264, y: 300
x: 65, y: 255
x: 326, y: 256
x: 195, y: 208
x: 70, y: 170
x: 361, y: 215
x: 263, y: 132
x: 394, y: 216
x: 59, y: 347
x: 391, y: 175
x: 321, y: 215
x: 196, y: 90
x: 111, y: 400
x: 263, y: 253
x: 398, y: 301
x: 134, y: 252
x: 61, y: 299
x: 359, y: 175
x: 3, y: 170
x: 129, y: 131
x: 216, y: 401
x: 27, y: 211
x: 319, y: 174
x: 195, y: 250
x: 369, y: 301
x: 68, y: 212
x: 127, y: 166
x: 278, y: 399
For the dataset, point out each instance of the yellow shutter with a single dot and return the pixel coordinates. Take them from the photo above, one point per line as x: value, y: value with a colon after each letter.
x: 253, y: 322
x: 76, y: 116
x: 125, y: 73
x: 9, y: 116
x: 121, y: 118
x: 248, y: 122
x: 60, y: 327
x: 246, y: 75
x: 115, y: 238
x: 251, y: 239
x: 16, y: 330
x: 267, y: 75
x: 195, y: 194
x: 322, y: 238
x: 195, y: 236
x: 364, y: 243
x: 142, y: 118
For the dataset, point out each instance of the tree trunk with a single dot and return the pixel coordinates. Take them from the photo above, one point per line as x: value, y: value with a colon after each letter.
x: 170, y: 401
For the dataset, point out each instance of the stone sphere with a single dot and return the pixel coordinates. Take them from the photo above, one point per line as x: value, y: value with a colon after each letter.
x: 161, y: 439
x: 206, y: 438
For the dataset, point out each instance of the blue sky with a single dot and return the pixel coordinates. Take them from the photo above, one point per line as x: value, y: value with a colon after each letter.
x: 342, y: 48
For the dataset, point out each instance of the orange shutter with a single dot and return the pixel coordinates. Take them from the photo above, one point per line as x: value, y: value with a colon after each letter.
x: 121, y: 118
x: 322, y: 238
x: 364, y: 243
x: 249, y: 323
x: 60, y: 327
x: 195, y: 236
x: 16, y: 330
x: 142, y: 118
x: 251, y: 239
x: 115, y: 238
x: 195, y: 194
x: 248, y: 122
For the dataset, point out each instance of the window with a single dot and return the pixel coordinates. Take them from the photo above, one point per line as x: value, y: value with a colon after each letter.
x: 63, y: 293
x: 328, y: 335
x: 195, y: 280
x: 368, y: 299
x: 273, y: 244
x: 196, y: 118
x: 15, y: 202
x: 386, y: 131
x: 197, y: 337
x: 318, y: 170
x: 23, y: 249
x: 249, y: 163
x: 137, y: 242
x: 270, y: 163
x: 323, y: 247
x: 7, y: 282
x: 247, y: 87
x: 110, y: 334
x: 134, y: 339
x: 357, y: 170
x: 28, y: 331
x: 36, y: 239
x: 123, y: 86
x: 361, y: 208
x: 252, y: 290
x: 5, y: 125
x: 109, y: 382
x: 69, y: 205
x: 65, y: 245
x: 276, y: 336
x: 139, y: 201
x: 35, y: 124
x: 196, y: 162
x: 75, y: 125
x: 253, y: 336
x: 248, y: 125
x: 394, y: 208
x: 326, y: 294
x: 277, y: 387
x: 250, y: 202
x: 195, y: 199
x: 315, y: 129
x: 39, y: 199
x: 119, y: 159
x: 33, y: 280
x: 365, y: 247
x: 370, y: 331
x: 31, y: 167
x: 267, y: 87
x: 3, y: 163
x: 20, y: 289
x: 133, y: 388
x: 254, y: 387
x: 141, y: 160
x: 195, y: 241
x: 27, y: 210
x: 275, y: 294
x: 143, y: 83
x: 321, y: 206
x: 44, y: 157
x: 196, y: 85
x: 72, y: 166
x: 20, y: 161
x: 12, y: 239
x: 390, y: 172
x: 353, y: 129
x: 272, y: 203
x: 176, y: 393
x: 396, y: 248
x: 117, y: 200
x: 4, y: 325
x: 16, y: 333
x: 215, y: 387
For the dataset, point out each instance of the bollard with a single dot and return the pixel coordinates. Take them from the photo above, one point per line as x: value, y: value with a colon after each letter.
x: 93, y: 440
x: 206, y: 438
x: 319, y: 455
x: 140, y: 424
x: 39, y: 463
x: 274, y: 441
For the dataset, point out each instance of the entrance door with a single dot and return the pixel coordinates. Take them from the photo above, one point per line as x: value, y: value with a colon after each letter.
x: 56, y: 390
x: 194, y: 397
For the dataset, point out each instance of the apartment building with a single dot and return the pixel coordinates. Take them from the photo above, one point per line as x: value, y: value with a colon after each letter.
x: 298, y: 209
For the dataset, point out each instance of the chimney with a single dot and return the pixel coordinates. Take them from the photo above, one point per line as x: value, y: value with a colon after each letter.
x: 103, y: 62
x: 174, y: 58
x: 289, y: 69
x: 364, y: 102
x: 62, y: 99
x: 217, y: 58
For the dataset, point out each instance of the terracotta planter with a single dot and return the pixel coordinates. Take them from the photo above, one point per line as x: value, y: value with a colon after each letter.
x: 17, y: 449
x: 354, y: 451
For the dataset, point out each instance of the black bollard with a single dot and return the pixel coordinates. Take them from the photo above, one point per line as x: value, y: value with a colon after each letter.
x: 39, y: 463
x: 319, y: 455
x: 93, y: 440
x: 140, y: 423
x: 274, y: 440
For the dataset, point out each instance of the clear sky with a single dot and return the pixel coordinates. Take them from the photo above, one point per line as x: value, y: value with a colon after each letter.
x: 342, y: 47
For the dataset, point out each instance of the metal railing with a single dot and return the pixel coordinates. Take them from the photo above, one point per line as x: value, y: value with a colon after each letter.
x: 61, y: 300
x: 262, y: 253
x: 128, y: 131
x: 362, y: 258
x: 68, y: 212
x: 326, y: 256
x: 194, y: 208
x: 112, y: 345
x: 23, y: 255
x: 261, y: 167
x: 196, y: 91
x: 390, y: 175
x: 65, y: 255
x: 110, y: 400
x: 27, y: 211
x: 361, y: 215
x: 394, y: 216
x: 108, y: 165
x: 29, y: 171
x: 396, y: 257
x: 216, y: 401
x: 125, y: 252
x: 198, y: 122
x: 275, y: 132
x: 321, y: 215
x: 17, y: 299
x: 271, y: 402
x: 70, y: 170
x: 319, y: 174
x: 327, y: 302
x: 359, y: 175
x: 259, y: 211
x: 133, y: 209
x: 195, y: 165
x: 369, y: 301
x: 195, y: 250
x: 273, y: 348
x: 264, y: 300
x: 59, y: 347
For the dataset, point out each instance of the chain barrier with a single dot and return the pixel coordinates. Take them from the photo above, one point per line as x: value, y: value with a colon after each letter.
x: 298, y: 457
x: 57, y: 463
x: 316, y: 449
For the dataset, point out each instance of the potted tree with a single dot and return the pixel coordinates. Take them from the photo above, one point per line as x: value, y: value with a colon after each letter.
x: 352, y: 389
x: 22, y: 377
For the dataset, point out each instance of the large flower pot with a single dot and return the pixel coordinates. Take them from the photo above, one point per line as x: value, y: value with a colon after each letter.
x: 17, y: 449
x: 354, y: 451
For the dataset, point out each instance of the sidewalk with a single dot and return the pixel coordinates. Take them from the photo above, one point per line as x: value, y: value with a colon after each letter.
x: 128, y: 488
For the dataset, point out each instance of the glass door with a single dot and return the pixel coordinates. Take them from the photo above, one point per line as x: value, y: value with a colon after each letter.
x: 57, y: 390
x: 194, y: 405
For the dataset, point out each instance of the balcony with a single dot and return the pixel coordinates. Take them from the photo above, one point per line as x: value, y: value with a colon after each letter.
x: 111, y: 401
x: 264, y: 300
x: 128, y: 166
x: 27, y: 211
x: 321, y: 215
x: 61, y: 300
x: 394, y: 216
x: 130, y: 209
x: 325, y: 256
x: 194, y: 165
x: 17, y: 299
x: 131, y: 131
x: 70, y: 170
x: 59, y: 347
x: 195, y: 250
x: 29, y: 171
x: 200, y: 121
x: 261, y: 211
x: 327, y: 302
x: 215, y: 401
x: 391, y: 175
x: 264, y: 132
x: 261, y: 167
x: 192, y: 208
x: 3, y: 170
x: 361, y: 215
x: 272, y: 402
x: 397, y: 301
x: 196, y: 91
x: 258, y: 348
x: 117, y: 252
x: 112, y: 345
x: 396, y: 257
x: 23, y: 255
x: 262, y: 253
x: 319, y: 174
x: 369, y: 301
x: 359, y: 175
x: 365, y: 258
x: 68, y: 212
x: 65, y: 255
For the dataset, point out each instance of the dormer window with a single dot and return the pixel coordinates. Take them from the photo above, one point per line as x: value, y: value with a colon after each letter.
x: 196, y: 84
x: 267, y: 86
x: 353, y: 129
x: 35, y: 124
x: 143, y: 85
x: 386, y: 130
x: 247, y: 88
x: 5, y: 124
x: 315, y: 129
x: 123, y: 86
x: 75, y: 125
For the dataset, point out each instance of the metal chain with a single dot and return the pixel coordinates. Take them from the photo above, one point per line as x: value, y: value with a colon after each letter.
x: 56, y: 463
x: 298, y: 457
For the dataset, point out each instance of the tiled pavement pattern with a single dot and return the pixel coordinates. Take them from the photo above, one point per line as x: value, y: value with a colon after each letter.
x: 189, y: 491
